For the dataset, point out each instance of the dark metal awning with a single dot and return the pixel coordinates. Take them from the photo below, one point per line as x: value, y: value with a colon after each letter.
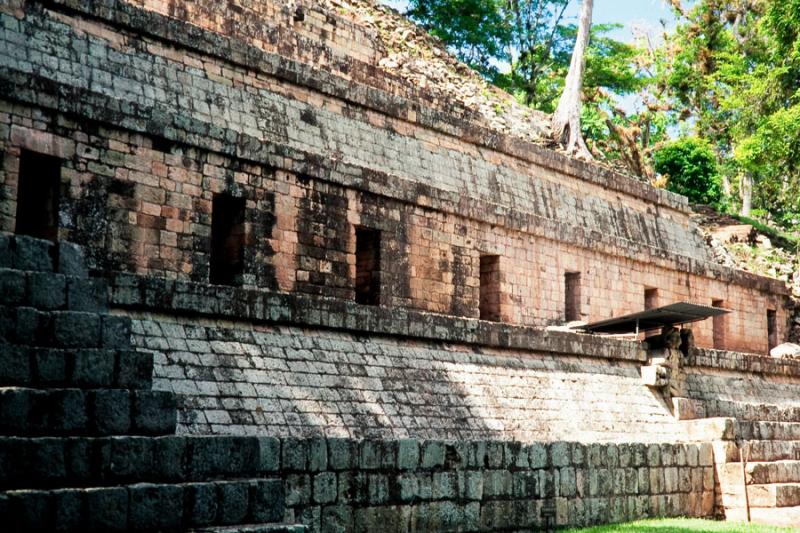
x: 669, y: 315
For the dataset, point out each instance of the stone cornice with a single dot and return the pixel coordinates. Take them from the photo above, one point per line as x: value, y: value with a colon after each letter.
x: 160, y: 295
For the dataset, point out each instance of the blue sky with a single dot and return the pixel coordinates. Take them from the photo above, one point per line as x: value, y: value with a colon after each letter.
x: 644, y: 15
x: 630, y: 13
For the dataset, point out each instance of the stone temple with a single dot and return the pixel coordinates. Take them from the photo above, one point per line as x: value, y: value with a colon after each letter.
x: 249, y: 281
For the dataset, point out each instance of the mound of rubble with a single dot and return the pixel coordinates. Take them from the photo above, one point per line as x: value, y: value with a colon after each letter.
x: 739, y: 245
x: 422, y: 60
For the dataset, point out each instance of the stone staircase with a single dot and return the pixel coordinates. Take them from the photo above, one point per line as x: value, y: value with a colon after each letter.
x: 763, y: 457
x: 85, y: 444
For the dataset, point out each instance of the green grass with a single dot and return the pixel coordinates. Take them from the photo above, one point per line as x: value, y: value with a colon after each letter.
x: 683, y: 525
x: 778, y: 237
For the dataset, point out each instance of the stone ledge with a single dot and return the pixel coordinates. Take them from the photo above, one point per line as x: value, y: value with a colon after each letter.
x: 742, y: 362
x: 45, y: 92
x: 38, y: 91
x: 132, y: 291
x: 459, y: 122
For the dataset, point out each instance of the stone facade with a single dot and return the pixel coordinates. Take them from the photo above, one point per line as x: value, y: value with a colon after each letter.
x: 204, y: 113
x: 333, y: 402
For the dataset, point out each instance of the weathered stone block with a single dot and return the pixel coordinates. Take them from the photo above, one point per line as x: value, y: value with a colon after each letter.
x: 28, y: 327
x: 653, y: 455
x: 234, y: 502
x: 93, y: 368
x: 87, y: 295
x: 76, y: 330
x: 444, y: 485
x: 325, y: 487
x: 408, y: 454
x: 107, y: 509
x: 15, y: 367
x: 318, y: 454
x: 51, y: 366
x: 433, y: 453
x: 12, y: 287
x: 201, y: 504
x: 497, y: 483
x: 266, y: 500
x: 298, y: 489
x: 269, y: 454
x: 494, y: 454
x: 154, y: 412
x: 337, y: 519
x: 68, y: 410
x: 169, y: 457
x: 67, y: 510
x: 560, y: 454
x: 153, y: 507
x: 568, y: 482
x: 32, y: 254
x: 408, y: 487
x: 46, y: 290
x: 537, y: 455
x: 116, y: 332
x: 377, y: 489
x: 294, y: 454
x: 71, y: 260
x: 135, y: 370
x: 112, y: 411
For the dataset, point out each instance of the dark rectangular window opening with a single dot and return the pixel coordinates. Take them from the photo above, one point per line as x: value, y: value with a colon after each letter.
x: 38, y: 194
x: 227, y: 240
x: 772, y: 328
x: 368, y: 266
x: 490, y: 288
x: 650, y: 298
x: 572, y: 296
x: 718, y: 326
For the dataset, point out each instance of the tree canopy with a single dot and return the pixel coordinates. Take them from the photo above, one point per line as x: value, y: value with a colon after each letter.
x: 728, y: 73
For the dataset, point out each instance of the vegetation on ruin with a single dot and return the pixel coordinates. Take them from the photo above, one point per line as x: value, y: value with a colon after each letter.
x: 728, y: 73
x: 683, y: 525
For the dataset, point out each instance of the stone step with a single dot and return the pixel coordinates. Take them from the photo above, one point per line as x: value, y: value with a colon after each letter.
x: 66, y: 462
x: 75, y: 368
x: 28, y: 254
x: 773, y: 472
x: 782, y: 517
x: 255, y: 528
x: 50, y: 291
x: 752, y: 412
x: 144, y: 506
x: 762, y: 430
x: 774, y: 495
x: 76, y: 412
x: 771, y: 450
x: 28, y: 326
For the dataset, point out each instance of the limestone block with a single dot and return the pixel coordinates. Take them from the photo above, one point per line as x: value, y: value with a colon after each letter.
x: 325, y: 487
x: 408, y: 454
x: 710, y: 429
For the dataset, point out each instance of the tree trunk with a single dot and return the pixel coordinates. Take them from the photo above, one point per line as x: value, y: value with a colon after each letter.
x: 746, y: 189
x: 567, y: 118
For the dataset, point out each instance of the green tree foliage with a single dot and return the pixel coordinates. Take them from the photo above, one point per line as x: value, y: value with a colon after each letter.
x: 477, y: 31
x: 690, y: 166
x: 734, y: 80
x: 729, y: 73
x: 525, y: 47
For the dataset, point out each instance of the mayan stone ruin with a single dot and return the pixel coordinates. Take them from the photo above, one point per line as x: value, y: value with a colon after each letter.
x: 251, y: 281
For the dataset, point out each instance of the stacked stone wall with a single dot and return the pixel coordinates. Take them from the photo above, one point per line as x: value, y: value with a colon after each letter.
x: 293, y: 29
x: 147, y: 209
x: 235, y: 378
x: 731, y: 379
x: 415, y: 485
x: 314, y: 161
